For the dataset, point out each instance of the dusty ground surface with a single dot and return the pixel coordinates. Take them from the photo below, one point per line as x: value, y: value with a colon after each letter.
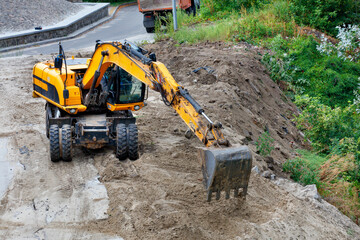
x: 18, y: 15
x: 160, y: 196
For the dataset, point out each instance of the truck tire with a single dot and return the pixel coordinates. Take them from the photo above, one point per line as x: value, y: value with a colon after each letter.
x: 150, y: 29
x: 66, y: 142
x: 133, y: 142
x: 121, y: 142
x: 54, y: 143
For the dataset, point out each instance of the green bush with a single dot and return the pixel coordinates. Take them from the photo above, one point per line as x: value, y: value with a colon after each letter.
x: 265, y: 144
x: 325, y: 15
x: 326, y: 126
x: 332, y: 79
x: 301, y: 171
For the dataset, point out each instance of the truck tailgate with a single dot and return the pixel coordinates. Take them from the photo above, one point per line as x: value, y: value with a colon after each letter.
x: 153, y: 5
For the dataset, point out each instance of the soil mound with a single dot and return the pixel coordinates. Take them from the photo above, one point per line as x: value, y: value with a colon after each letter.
x: 18, y: 15
x: 235, y: 89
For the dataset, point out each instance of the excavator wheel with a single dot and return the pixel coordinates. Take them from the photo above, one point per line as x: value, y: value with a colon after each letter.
x: 121, y: 142
x: 133, y: 142
x: 54, y: 143
x: 66, y: 142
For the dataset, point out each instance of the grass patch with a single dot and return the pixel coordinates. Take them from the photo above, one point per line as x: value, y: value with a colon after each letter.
x: 313, y: 159
x: 339, y: 187
x: 305, y: 169
x: 258, y: 25
x: 252, y: 25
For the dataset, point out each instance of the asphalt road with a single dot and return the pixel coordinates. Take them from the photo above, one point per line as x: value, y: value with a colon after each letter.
x: 127, y: 24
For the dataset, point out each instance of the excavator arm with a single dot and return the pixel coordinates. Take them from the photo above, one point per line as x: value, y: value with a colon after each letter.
x: 157, y: 77
x: 224, y: 167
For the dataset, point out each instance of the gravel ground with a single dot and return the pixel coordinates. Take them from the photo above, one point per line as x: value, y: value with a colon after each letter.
x: 19, y: 15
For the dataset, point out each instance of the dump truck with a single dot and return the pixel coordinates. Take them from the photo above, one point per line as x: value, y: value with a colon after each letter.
x: 90, y: 103
x: 152, y: 9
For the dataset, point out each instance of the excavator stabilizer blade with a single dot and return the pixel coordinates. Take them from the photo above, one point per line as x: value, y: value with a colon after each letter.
x: 226, y: 169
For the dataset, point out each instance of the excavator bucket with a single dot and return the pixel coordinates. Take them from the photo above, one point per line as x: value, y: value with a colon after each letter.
x: 226, y: 169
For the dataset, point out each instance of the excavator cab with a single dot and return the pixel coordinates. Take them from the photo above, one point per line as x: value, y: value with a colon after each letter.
x: 125, y: 88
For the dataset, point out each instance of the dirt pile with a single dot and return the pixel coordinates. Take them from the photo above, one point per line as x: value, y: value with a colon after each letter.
x: 235, y: 89
x: 18, y: 15
x: 161, y: 196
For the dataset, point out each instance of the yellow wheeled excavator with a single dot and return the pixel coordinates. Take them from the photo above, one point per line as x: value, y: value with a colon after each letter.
x: 89, y: 103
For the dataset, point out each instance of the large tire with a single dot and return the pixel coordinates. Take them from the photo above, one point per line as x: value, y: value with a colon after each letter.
x: 121, y: 142
x: 54, y: 143
x: 66, y: 142
x: 133, y: 142
x: 150, y: 30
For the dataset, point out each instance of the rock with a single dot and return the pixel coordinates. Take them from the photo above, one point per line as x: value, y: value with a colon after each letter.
x: 285, y: 130
x: 189, y: 134
x: 299, y: 191
x: 277, y: 146
x: 273, y: 176
x: 270, y: 166
x: 269, y: 159
x: 310, y: 191
x: 256, y: 169
x: 175, y: 155
x: 24, y: 150
x: 266, y: 174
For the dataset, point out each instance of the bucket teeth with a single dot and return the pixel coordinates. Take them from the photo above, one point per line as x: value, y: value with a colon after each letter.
x: 225, y: 169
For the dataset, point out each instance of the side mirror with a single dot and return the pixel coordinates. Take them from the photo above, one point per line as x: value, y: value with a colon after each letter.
x: 152, y: 56
x: 58, y: 62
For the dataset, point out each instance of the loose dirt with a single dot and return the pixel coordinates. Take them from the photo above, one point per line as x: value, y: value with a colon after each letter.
x: 161, y: 196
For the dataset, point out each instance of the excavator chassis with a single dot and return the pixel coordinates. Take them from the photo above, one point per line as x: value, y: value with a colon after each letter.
x: 92, y: 131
